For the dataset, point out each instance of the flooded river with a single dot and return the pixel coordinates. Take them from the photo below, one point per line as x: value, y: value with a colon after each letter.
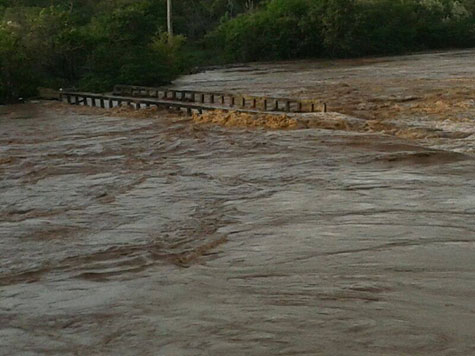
x: 158, y: 236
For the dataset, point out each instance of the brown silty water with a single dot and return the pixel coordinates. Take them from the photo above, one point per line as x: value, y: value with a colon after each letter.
x: 154, y: 233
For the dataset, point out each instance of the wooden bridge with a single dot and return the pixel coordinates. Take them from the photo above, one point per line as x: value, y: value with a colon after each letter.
x: 190, y: 100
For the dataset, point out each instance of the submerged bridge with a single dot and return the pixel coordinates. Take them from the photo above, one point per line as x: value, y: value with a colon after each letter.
x: 190, y: 100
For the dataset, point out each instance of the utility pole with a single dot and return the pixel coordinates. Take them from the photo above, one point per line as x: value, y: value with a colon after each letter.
x: 169, y: 19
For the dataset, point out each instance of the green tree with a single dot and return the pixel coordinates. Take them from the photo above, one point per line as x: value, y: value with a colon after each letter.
x: 17, y: 77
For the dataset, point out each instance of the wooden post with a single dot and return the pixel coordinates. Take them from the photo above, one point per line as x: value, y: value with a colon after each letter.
x: 202, y: 98
x: 211, y: 98
x: 222, y: 99
x: 276, y: 105
x: 265, y: 105
x: 232, y: 100
x: 287, y: 105
x: 102, y: 103
x: 111, y: 103
x: 313, y: 108
x: 243, y: 102
x: 68, y: 98
x: 299, y: 107
x: 324, y: 107
x: 76, y: 102
x: 169, y: 20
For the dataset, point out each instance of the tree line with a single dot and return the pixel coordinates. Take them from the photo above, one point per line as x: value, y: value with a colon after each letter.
x: 94, y: 44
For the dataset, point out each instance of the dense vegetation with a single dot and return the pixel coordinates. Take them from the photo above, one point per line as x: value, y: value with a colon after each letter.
x: 93, y: 44
x: 309, y: 28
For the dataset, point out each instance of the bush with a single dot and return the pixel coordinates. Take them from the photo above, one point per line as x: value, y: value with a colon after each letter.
x: 341, y: 28
x: 127, y: 49
x: 55, y: 47
x: 273, y: 33
x: 17, y: 77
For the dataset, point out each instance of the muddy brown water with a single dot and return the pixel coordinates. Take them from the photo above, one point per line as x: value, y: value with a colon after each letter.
x: 141, y: 236
x: 425, y: 97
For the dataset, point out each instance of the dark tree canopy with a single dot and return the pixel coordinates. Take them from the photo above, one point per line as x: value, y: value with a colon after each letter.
x: 93, y: 44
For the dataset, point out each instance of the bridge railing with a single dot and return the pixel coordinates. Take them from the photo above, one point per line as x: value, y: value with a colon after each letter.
x: 111, y: 101
x: 221, y: 99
